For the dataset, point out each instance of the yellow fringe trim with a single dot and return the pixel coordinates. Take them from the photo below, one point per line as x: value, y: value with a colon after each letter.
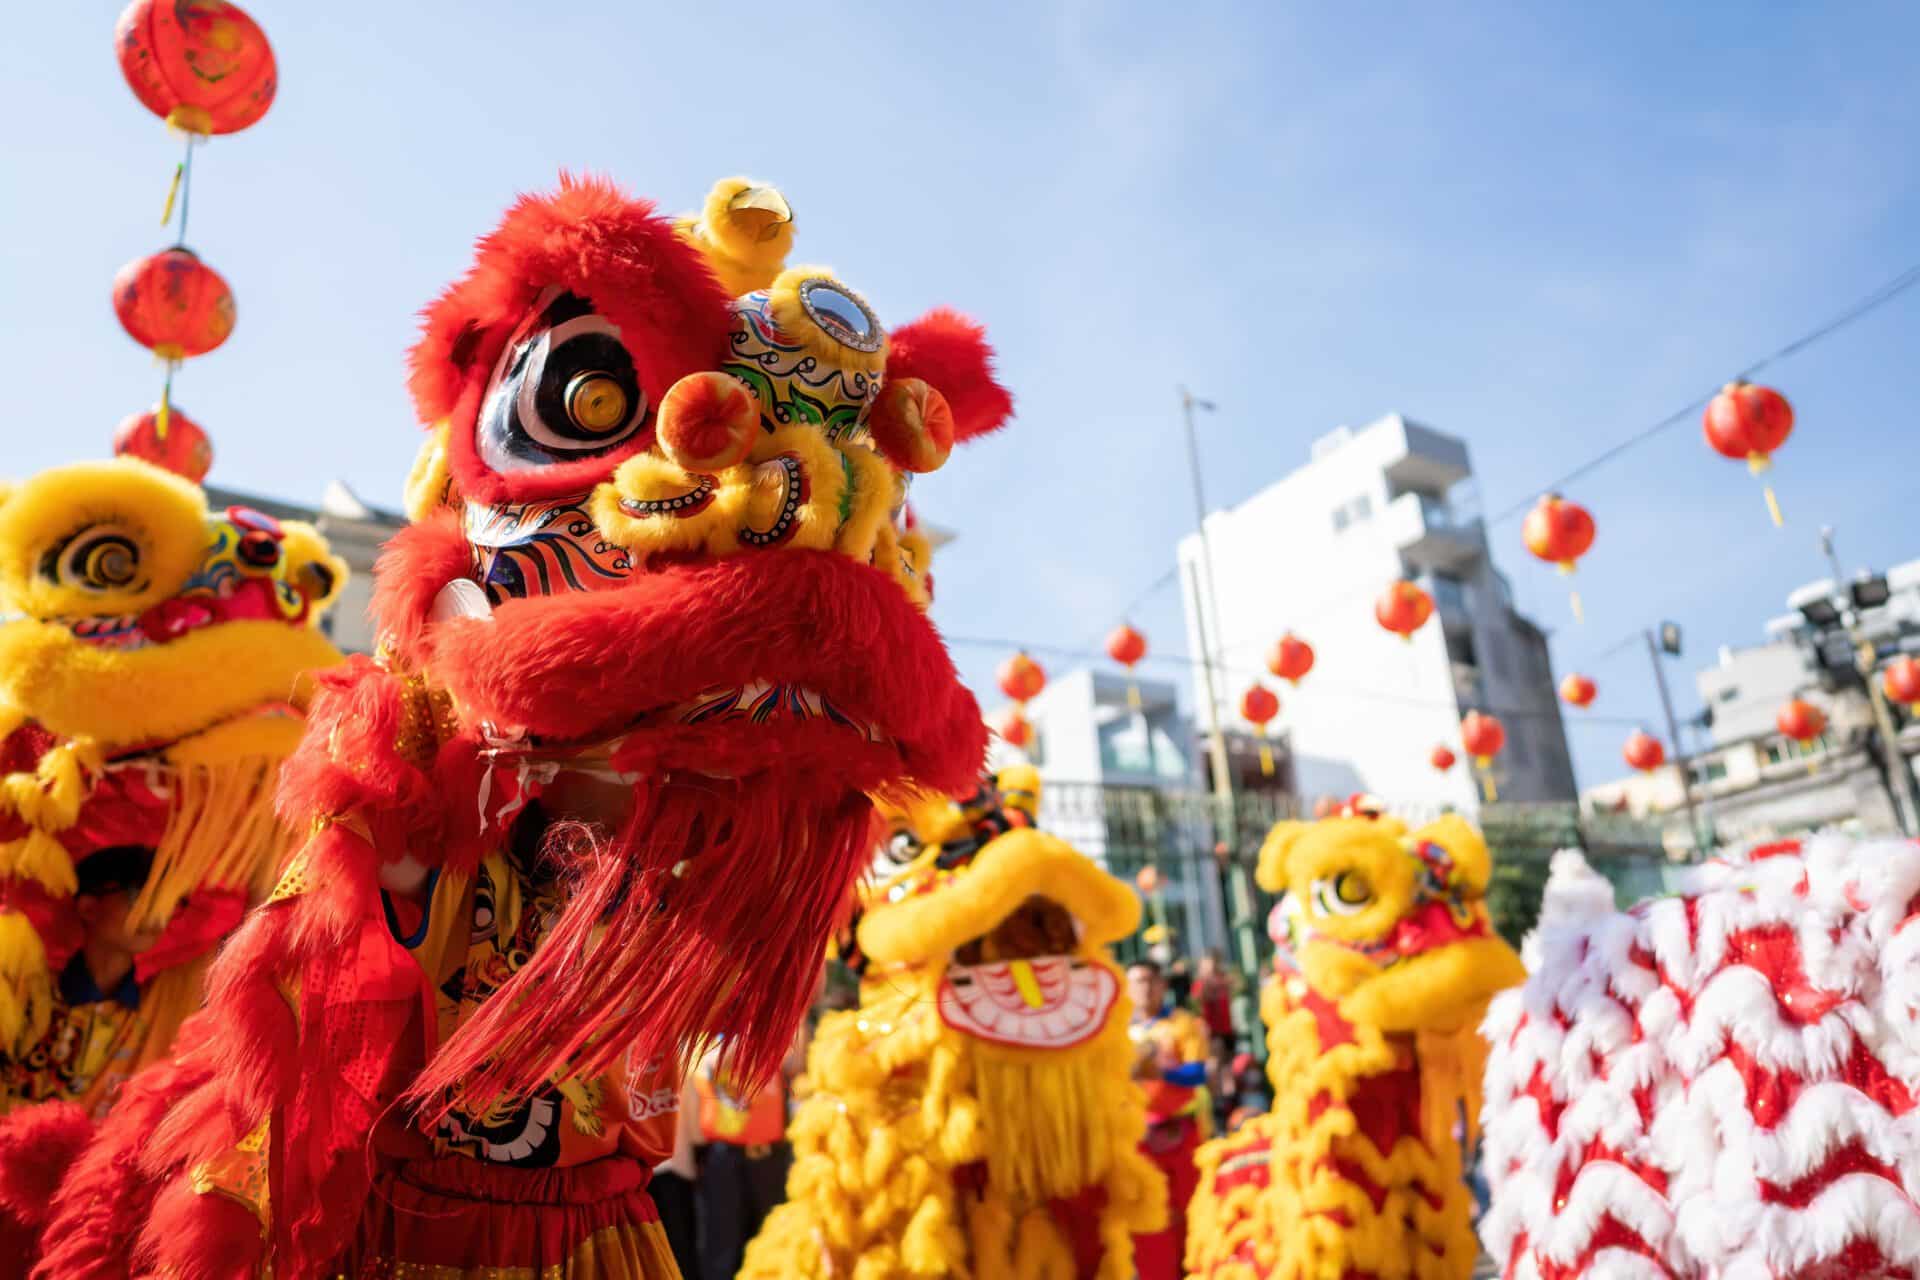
x: 221, y: 834
x: 1287, y: 1227
x: 39, y: 857
x: 26, y: 988
x: 895, y: 1103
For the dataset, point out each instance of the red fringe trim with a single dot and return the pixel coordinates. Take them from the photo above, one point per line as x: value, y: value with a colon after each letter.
x: 643, y: 959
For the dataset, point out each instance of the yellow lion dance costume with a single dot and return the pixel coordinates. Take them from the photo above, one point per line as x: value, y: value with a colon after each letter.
x: 1388, y: 962
x: 974, y: 1116
x: 150, y: 653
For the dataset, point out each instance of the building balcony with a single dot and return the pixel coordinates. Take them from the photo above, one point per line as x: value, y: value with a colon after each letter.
x: 1429, y: 536
x: 1449, y: 601
x: 1423, y: 459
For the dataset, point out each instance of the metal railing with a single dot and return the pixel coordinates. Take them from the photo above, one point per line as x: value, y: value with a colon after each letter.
x: 1205, y: 859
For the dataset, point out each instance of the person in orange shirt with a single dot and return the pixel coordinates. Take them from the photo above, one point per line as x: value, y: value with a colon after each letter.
x: 1171, y: 1065
x: 743, y: 1169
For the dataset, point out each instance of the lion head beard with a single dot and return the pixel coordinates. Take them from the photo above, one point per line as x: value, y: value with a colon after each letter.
x: 1050, y: 1115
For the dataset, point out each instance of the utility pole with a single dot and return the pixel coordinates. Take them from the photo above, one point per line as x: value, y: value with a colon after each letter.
x: 1865, y: 657
x: 1240, y: 896
x: 1680, y: 751
x: 1203, y: 609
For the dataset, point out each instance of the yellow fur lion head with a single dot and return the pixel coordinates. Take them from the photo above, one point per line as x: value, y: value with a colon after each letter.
x: 132, y: 614
x: 1391, y: 923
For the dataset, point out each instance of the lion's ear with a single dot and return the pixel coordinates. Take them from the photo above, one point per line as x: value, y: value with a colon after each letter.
x: 1464, y: 843
x: 1271, y: 873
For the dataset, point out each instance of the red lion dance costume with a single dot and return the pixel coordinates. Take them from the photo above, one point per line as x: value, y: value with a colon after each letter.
x: 649, y: 646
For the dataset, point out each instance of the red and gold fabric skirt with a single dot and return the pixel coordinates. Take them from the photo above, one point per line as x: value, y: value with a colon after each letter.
x: 453, y: 1218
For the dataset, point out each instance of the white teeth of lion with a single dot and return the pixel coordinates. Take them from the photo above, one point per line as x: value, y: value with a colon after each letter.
x: 460, y: 598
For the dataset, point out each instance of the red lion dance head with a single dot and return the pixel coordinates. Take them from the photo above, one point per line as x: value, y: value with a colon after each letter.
x: 661, y: 602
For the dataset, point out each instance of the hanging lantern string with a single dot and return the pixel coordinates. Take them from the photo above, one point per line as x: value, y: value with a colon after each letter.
x: 183, y: 187
x: 1321, y: 687
x: 1871, y: 302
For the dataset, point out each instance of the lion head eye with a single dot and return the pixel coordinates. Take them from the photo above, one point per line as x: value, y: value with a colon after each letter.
x: 903, y: 847
x: 1343, y: 894
x: 565, y: 388
x: 99, y: 558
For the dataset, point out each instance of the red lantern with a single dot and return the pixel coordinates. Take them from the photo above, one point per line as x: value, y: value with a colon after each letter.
x: 1325, y: 807
x: 1021, y: 678
x: 173, y: 304
x: 1901, y: 681
x: 1442, y: 758
x: 1403, y: 609
x: 1014, y: 729
x: 1644, y: 752
x: 1559, y: 532
x: 1148, y: 880
x: 1258, y: 705
x: 1291, y: 657
x: 203, y: 66
x: 168, y: 439
x: 1751, y: 422
x: 1483, y: 735
x: 1126, y: 647
x: 1578, y: 691
x: 1801, y: 721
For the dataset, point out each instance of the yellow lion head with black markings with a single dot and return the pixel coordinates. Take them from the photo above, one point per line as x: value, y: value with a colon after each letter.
x: 986, y: 1073
x: 1388, y: 921
x: 152, y: 661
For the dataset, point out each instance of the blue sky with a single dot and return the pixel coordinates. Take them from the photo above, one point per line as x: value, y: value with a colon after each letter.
x: 1538, y: 227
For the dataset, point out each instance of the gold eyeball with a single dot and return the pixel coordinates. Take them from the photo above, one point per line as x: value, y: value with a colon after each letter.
x: 112, y: 563
x: 596, y: 402
x: 101, y: 560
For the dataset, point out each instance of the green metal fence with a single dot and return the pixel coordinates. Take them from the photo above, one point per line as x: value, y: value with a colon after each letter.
x: 1205, y: 860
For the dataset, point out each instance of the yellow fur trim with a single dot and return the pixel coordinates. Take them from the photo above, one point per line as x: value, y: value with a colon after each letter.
x: 159, y: 693
x: 26, y: 988
x: 747, y: 499
x: 1003, y: 875
x: 430, y: 480
x: 796, y: 326
x: 39, y: 857
x: 269, y: 734
x: 50, y: 797
x: 874, y: 495
x: 161, y: 517
x: 744, y: 230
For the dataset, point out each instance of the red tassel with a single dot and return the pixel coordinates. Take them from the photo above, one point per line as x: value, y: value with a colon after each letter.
x: 642, y: 956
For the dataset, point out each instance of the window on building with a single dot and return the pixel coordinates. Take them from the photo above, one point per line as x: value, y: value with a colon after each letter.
x: 1707, y: 771
x: 1518, y: 749
x: 1782, y: 750
x: 1728, y: 694
x: 1352, y: 512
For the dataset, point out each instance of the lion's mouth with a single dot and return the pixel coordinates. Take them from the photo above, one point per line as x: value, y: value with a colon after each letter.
x: 1021, y: 985
x: 252, y: 600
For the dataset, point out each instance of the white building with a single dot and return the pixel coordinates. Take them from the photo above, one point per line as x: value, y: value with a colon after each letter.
x: 1311, y: 553
x: 1753, y: 782
x: 1118, y: 783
